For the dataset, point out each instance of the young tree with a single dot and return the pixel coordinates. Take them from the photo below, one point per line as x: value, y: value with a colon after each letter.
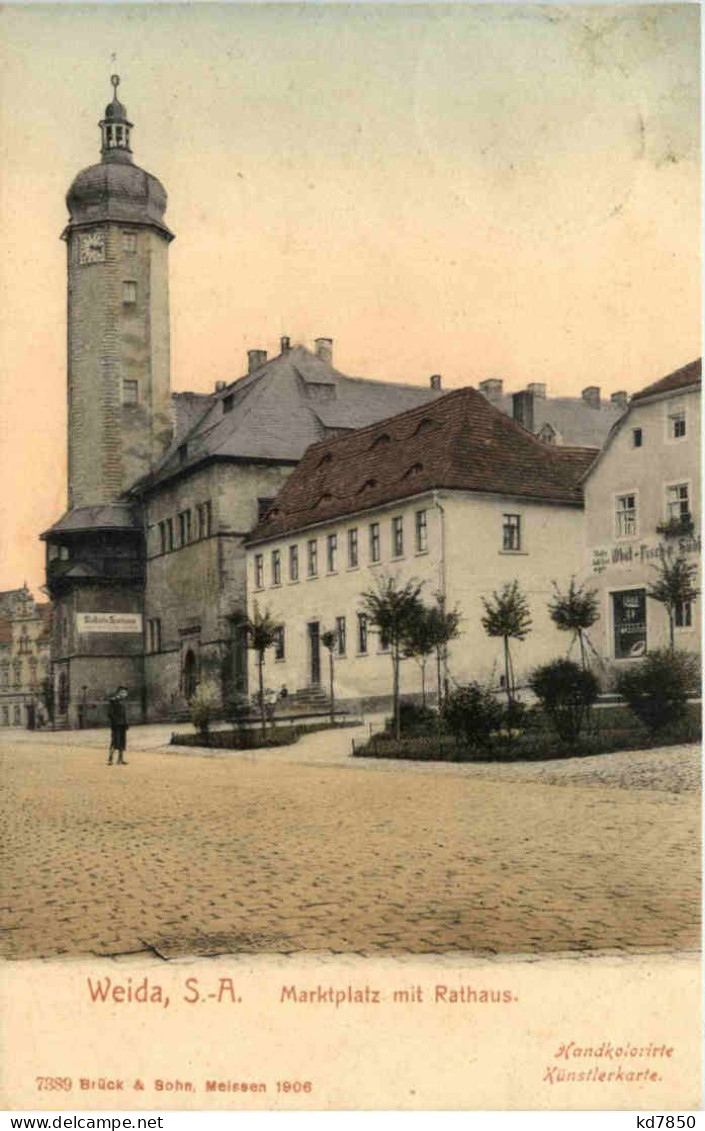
x: 445, y: 626
x: 674, y: 586
x: 507, y: 616
x: 576, y: 610
x: 392, y: 609
x: 261, y: 633
x: 329, y: 641
x: 420, y: 640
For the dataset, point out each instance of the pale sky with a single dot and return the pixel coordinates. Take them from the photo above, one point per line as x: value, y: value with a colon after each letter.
x: 492, y: 191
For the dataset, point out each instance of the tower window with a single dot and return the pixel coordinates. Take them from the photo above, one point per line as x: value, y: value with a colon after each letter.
x: 129, y: 243
x: 129, y: 291
x: 130, y: 391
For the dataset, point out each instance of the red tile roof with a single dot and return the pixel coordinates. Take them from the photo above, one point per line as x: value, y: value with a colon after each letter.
x: 458, y: 442
x: 690, y: 374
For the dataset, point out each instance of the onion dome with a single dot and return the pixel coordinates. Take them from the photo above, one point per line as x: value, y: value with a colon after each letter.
x: 116, y: 189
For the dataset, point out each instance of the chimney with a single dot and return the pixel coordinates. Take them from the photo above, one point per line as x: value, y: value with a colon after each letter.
x: 436, y: 381
x: 538, y: 388
x: 285, y: 344
x: 255, y: 359
x: 324, y: 349
x: 492, y: 389
x: 219, y: 386
x: 523, y: 408
x: 591, y: 396
x: 620, y: 399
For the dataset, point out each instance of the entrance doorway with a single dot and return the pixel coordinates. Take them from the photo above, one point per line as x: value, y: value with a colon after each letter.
x: 314, y: 640
x: 189, y: 675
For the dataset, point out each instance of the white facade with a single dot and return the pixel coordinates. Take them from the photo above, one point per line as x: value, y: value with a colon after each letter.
x: 648, y: 474
x: 458, y: 543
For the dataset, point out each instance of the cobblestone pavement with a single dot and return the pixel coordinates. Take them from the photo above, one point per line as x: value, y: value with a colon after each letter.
x: 208, y: 855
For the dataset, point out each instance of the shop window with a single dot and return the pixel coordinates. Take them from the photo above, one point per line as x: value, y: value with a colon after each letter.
x: 629, y: 619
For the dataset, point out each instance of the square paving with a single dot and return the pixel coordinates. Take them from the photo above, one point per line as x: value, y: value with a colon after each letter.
x: 195, y: 855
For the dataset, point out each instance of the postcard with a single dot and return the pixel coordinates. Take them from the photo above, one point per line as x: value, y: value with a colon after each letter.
x: 349, y: 589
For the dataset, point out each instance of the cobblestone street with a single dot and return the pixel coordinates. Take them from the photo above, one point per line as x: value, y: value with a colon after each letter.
x: 181, y: 854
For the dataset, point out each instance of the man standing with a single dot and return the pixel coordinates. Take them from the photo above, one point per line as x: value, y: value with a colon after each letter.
x: 117, y: 717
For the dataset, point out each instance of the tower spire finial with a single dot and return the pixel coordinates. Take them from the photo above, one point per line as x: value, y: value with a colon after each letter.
x: 115, y: 128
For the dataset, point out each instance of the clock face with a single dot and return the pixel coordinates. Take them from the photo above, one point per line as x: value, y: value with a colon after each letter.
x: 91, y: 247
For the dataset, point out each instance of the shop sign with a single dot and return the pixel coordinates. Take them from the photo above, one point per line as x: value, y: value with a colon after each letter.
x: 643, y: 553
x: 109, y: 622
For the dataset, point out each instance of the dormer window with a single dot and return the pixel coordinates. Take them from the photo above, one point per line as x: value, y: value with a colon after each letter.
x: 379, y: 441
x: 413, y: 470
x: 325, y: 459
x: 425, y: 424
x: 367, y: 485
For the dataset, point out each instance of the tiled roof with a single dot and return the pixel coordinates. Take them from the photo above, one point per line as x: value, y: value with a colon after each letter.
x: 459, y: 442
x: 279, y: 410
x: 690, y: 374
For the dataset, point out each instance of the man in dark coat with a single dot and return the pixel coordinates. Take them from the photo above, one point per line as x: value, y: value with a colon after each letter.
x: 117, y: 717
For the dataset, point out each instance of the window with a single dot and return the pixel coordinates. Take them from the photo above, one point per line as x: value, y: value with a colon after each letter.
x: 637, y: 437
x: 129, y: 243
x: 352, y: 548
x: 341, y: 635
x: 626, y: 521
x: 18, y: 673
x: 18, y: 717
x: 629, y: 617
x: 6, y: 716
x: 154, y: 634
x: 374, y: 542
x: 185, y: 527
x: 677, y: 501
x: 264, y: 505
x: 170, y: 534
x: 312, y: 558
x: 397, y: 537
x: 332, y: 551
x: 279, y: 650
x: 130, y: 391
x: 676, y: 421
x: 511, y: 532
x: 293, y: 563
x: 259, y: 571
x: 683, y: 614
x: 129, y: 292
x: 421, y: 532
x: 204, y: 513
x: 276, y: 567
x: 362, y: 634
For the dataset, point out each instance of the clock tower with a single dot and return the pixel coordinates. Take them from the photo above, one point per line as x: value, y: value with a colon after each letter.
x: 118, y: 319
x: 119, y: 425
